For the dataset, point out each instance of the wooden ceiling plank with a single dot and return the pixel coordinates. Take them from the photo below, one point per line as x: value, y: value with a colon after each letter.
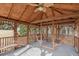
x: 32, y: 14
x: 4, y: 9
x: 23, y: 12
x: 34, y: 19
x: 48, y: 13
x: 52, y: 10
x: 17, y: 10
x: 68, y: 6
x: 28, y: 13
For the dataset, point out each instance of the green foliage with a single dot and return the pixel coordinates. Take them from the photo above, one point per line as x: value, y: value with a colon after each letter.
x: 22, y: 30
x: 5, y: 26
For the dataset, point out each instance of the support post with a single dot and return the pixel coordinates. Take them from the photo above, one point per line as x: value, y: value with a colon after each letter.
x: 28, y: 33
x: 15, y: 32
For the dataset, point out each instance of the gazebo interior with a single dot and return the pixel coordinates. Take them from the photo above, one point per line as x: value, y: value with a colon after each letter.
x: 39, y: 29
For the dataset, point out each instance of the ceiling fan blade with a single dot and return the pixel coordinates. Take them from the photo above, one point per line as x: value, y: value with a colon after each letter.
x: 48, y: 4
x: 33, y: 4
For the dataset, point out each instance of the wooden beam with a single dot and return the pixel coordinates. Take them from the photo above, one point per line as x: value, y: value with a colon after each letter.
x: 59, y: 11
x: 11, y: 19
x: 57, y: 22
x: 77, y: 20
x: 64, y: 21
x: 58, y: 18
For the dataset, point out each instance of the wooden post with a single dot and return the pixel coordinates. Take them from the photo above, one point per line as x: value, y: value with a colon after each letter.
x: 28, y: 34
x: 53, y: 36
x: 74, y: 33
x: 15, y: 33
x: 47, y: 33
x: 77, y: 35
x: 40, y: 31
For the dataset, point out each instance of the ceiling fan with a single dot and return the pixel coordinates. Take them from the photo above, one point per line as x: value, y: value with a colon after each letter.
x: 41, y: 6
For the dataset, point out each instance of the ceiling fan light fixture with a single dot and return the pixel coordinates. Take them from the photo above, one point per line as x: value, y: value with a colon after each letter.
x: 40, y: 9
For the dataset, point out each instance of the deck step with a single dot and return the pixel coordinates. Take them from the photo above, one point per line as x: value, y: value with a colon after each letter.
x: 17, y: 53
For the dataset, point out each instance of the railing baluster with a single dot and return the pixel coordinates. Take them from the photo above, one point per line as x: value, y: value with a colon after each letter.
x: 0, y: 44
x: 3, y: 44
x: 6, y: 44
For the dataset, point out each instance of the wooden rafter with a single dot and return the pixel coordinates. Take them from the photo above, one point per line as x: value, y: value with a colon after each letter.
x: 10, y: 10
x: 58, y: 18
x: 73, y: 11
x: 46, y: 15
x: 64, y: 21
x: 52, y: 10
x: 40, y: 15
x: 65, y: 11
x: 58, y: 11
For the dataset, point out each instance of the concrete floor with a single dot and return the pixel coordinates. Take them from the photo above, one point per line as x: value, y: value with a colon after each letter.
x: 37, y: 49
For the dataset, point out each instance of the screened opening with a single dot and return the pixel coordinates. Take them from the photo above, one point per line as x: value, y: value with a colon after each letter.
x: 67, y: 30
x: 22, y: 30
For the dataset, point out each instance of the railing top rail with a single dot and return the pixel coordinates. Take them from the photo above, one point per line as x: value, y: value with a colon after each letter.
x: 7, y: 37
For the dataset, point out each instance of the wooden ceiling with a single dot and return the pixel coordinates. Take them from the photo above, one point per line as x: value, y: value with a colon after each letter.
x: 26, y: 12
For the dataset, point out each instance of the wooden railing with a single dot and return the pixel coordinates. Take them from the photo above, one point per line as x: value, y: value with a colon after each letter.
x: 7, y: 44
x: 77, y: 43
